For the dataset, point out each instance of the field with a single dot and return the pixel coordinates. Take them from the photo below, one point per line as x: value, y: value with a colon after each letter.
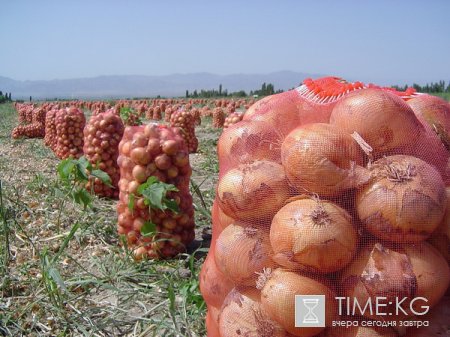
x: 63, y: 271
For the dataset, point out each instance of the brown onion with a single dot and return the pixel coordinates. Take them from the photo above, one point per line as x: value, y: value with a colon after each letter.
x: 319, y: 158
x: 313, y: 235
x: 360, y: 331
x: 243, y: 190
x: 243, y: 315
x: 381, y: 118
x: 404, y: 202
x: 396, y: 272
x: 278, y: 290
x: 242, y: 252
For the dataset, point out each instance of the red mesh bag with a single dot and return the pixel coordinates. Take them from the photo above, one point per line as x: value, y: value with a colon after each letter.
x: 50, y: 129
x: 69, y: 132
x: 157, y: 113
x: 185, y: 121
x: 154, y: 151
x: 218, y: 116
x: 334, y: 189
x: 102, y: 135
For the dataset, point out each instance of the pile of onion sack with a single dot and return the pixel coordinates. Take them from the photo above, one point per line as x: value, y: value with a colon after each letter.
x: 335, y: 189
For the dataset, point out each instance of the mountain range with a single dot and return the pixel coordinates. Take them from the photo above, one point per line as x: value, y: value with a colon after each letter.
x: 121, y: 86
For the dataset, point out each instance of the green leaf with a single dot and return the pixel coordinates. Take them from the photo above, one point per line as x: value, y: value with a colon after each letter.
x: 65, y: 168
x: 172, y: 205
x: 81, y: 173
x: 148, y: 229
x: 85, y: 163
x: 103, y: 176
x: 56, y: 277
x: 131, y: 202
x: 82, y: 197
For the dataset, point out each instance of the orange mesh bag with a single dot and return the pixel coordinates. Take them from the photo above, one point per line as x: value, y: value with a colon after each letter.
x: 50, y: 129
x: 184, y: 120
x: 154, y: 154
x: 102, y: 135
x: 69, y: 132
x: 218, y: 118
x: 335, y: 192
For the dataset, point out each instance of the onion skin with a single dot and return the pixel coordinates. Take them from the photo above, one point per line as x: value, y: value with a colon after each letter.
x: 381, y: 270
x: 381, y: 118
x: 211, y: 321
x: 278, y: 299
x: 248, y: 141
x: 243, y: 315
x: 242, y: 191
x: 242, y: 252
x: 319, y: 158
x: 405, y: 200
x: 313, y: 235
x: 436, y: 113
x: 440, y: 239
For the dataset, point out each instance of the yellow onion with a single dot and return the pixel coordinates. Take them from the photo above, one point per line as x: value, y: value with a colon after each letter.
x: 319, y: 158
x: 253, y: 191
x: 381, y: 118
x: 242, y: 315
x: 313, y: 235
x: 396, y: 272
x: 405, y: 200
x: 242, y: 252
x: 278, y: 290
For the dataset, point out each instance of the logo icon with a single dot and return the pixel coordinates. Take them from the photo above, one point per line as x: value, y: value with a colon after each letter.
x: 309, y: 311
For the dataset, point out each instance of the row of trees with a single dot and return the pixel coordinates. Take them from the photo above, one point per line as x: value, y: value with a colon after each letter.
x: 5, y: 97
x: 266, y: 89
x: 433, y: 87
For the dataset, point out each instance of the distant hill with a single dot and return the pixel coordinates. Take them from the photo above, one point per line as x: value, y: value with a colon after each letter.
x: 120, y: 86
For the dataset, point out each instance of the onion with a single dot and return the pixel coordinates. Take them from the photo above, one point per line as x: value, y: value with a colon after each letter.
x: 243, y: 315
x: 318, y: 158
x: 395, y: 272
x: 381, y: 118
x: 436, y: 113
x: 242, y: 191
x: 360, y: 332
x: 313, y: 235
x: 214, y: 286
x: 242, y: 252
x: 278, y: 290
x: 247, y: 142
x: 405, y: 200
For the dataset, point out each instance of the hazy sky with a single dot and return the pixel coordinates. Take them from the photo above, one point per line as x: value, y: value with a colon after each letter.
x: 385, y: 42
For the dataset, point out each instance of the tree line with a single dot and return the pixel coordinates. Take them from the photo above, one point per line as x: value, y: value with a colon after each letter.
x: 5, y: 97
x: 433, y: 87
x: 266, y: 89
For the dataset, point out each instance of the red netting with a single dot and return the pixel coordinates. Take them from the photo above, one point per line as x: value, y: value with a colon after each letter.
x: 69, y: 123
x: 102, y: 135
x: 335, y: 189
x: 158, y: 151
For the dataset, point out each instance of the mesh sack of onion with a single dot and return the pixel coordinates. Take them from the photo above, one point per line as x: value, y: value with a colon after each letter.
x: 335, y: 189
x: 155, y: 157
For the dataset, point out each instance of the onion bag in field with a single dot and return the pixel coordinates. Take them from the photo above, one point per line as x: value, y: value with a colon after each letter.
x: 69, y: 124
x: 155, y: 156
x: 102, y: 135
x: 184, y: 120
x: 335, y: 189
x: 50, y: 139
